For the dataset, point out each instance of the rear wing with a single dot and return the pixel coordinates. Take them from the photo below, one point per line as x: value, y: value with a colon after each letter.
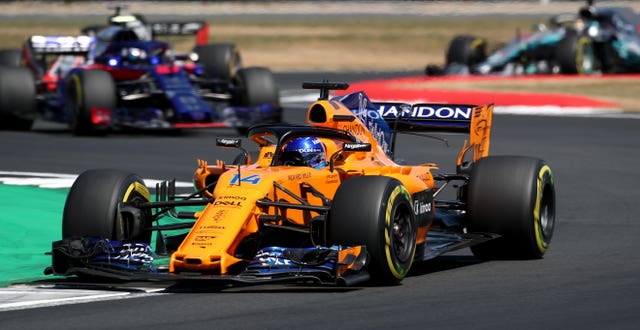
x: 59, y: 45
x: 436, y: 117
x: 198, y: 28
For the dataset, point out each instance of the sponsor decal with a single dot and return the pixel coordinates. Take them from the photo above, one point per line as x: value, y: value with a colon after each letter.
x: 332, y: 178
x: 228, y: 142
x: 241, y: 198
x: 227, y: 203
x: 268, y: 155
x: 218, y: 216
x: 424, y: 111
x: 204, y: 238
x: 299, y: 176
x: 421, y: 207
x: 357, y: 146
x: 176, y: 28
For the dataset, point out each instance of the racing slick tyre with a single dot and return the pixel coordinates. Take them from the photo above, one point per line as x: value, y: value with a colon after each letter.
x: 466, y: 50
x: 514, y: 197
x: 93, y: 207
x: 220, y: 61
x: 575, y: 54
x: 90, y: 99
x: 257, y: 87
x: 18, y: 105
x: 376, y: 211
x: 10, y: 57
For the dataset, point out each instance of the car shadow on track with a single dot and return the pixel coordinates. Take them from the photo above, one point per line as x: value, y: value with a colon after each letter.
x: 443, y: 263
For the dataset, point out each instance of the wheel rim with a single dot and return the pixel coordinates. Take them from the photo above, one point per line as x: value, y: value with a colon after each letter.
x: 547, y: 218
x: 402, y: 235
x: 585, y: 58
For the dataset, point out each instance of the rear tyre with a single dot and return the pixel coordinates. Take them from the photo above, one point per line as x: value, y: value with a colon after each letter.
x: 93, y: 205
x: 575, y: 54
x: 89, y: 91
x: 18, y: 106
x: 466, y: 50
x: 515, y: 197
x: 376, y: 211
x: 257, y: 88
x: 10, y: 57
x: 220, y: 61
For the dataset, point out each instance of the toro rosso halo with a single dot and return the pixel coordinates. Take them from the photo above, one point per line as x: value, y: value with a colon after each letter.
x: 274, y: 218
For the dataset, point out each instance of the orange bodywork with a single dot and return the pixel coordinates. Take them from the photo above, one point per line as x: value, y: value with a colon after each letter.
x: 235, y: 213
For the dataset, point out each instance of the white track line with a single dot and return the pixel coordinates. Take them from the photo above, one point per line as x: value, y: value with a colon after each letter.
x: 58, y: 180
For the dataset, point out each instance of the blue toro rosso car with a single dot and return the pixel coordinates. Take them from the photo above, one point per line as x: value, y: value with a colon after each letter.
x: 117, y: 78
x: 596, y: 40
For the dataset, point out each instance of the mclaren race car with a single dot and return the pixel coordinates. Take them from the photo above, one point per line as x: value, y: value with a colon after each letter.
x: 596, y: 40
x: 321, y: 203
x: 120, y: 76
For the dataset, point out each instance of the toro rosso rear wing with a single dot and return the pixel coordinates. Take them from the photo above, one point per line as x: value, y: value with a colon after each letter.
x: 435, y: 117
x: 198, y: 28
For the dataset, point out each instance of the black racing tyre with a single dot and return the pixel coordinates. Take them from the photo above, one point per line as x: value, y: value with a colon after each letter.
x: 10, y: 57
x: 86, y: 90
x: 514, y: 197
x: 220, y: 61
x: 18, y: 106
x: 466, y: 50
x: 376, y: 211
x: 575, y: 54
x: 92, y: 205
x: 258, y: 86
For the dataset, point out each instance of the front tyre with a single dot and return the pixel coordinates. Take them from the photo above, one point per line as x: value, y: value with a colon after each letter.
x: 376, y: 211
x: 94, y: 207
x: 575, y: 54
x: 219, y: 61
x: 515, y: 197
x: 90, y: 100
x: 18, y: 105
x: 257, y: 87
x: 466, y: 50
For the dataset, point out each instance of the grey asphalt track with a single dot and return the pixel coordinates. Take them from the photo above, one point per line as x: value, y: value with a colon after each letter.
x: 588, y: 279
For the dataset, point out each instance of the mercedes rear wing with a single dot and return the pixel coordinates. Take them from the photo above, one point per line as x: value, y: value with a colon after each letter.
x: 474, y: 120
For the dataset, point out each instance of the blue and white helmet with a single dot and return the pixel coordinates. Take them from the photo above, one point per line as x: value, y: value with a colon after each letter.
x: 311, y: 149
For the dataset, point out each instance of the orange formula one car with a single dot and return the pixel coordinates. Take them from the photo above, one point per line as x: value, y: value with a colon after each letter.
x: 324, y: 203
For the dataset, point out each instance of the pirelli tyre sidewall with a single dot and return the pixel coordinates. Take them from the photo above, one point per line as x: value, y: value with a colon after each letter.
x: 18, y: 105
x: 514, y: 197
x: 575, y: 54
x: 467, y: 50
x: 376, y: 211
x: 94, y: 201
x: 219, y: 61
x: 86, y: 90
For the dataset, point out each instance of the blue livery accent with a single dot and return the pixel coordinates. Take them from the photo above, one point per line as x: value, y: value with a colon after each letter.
x: 360, y: 104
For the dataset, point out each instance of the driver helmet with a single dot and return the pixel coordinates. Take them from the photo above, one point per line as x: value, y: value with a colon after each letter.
x: 311, y: 149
